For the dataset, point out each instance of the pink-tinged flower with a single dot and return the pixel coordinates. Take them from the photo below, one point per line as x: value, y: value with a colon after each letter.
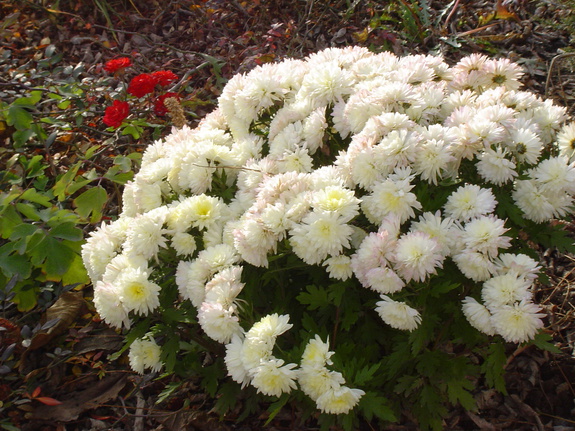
x: 159, y: 107
x: 116, y: 64
x: 115, y: 114
x: 165, y: 77
x: 142, y: 84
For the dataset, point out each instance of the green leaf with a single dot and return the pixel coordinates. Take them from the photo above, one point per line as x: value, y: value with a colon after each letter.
x: 227, y: 397
x: 315, y: 297
x: 493, y: 367
x: 26, y: 296
x: 29, y: 211
x: 59, y: 258
x: 544, y: 342
x: 67, y: 230
x: 23, y: 230
x: 170, y: 351
x: 14, y: 264
x: 91, y: 202
x: 364, y: 375
x: 458, y: 392
x: 9, y: 219
x: 276, y: 407
x: 33, y: 196
x: 19, y: 117
x: 64, y: 182
x: 372, y: 404
x: 76, y: 273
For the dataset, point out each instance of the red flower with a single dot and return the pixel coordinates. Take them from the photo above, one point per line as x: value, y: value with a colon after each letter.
x: 115, y: 114
x: 165, y: 77
x: 142, y: 84
x: 159, y: 107
x: 113, y: 66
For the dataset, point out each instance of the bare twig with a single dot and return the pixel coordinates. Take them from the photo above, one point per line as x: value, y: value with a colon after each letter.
x: 551, y: 66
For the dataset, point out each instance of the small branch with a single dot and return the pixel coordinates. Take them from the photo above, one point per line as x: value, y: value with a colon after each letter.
x: 551, y: 66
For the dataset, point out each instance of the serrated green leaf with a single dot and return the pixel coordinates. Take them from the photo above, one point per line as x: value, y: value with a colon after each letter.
x: 23, y: 230
x: 544, y: 342
x: 493, y: 367
x: 276, y: 407
x: 91, y: 203
x: 365, y: 374
x: 14, y: 264
x: 227, y: 397
x: 458, y: 392
x: 371, y: 404
x: 314, y: 297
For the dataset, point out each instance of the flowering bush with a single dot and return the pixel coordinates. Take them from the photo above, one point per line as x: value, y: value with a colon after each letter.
x: 343, y: 228
x: 141, y: 85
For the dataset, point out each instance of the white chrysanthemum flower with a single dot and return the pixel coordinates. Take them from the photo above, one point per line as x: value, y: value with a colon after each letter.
x: 190, y: 279
x: 269, y: 327
x: 184, y: 243
x: 374, y: 251
x: 146, y: 234
x: 519, y: 263
x: 535, y: 204
x: 319, y: 235
x: 145, y: 353
x: 416, y: 256
x: 316, y: 353
x: 566, y: 141
x: 474, y: 265
x: 336, y: 199
x: 555, y: 175
x: 297, y: 160
x: 273, y: 378
x: 121, y: 263
x: 253, y: 241
x: 470, y: 201
x: 109, y: 305
x: 495, y: 167
x: 383, y: 280
x: 477, y: 315
x: 485, y: 234
x: 325, y: 84
x: 218, y: 321
x: 505, y: 290
x: 225, y: 286
x: 218, y: 257
x: 432, y: 160
x: 339, y: 267
x: 398, y: 148
x: 503, y: 72
x: 234, y: 363
x: 519, y: 322
x: 98, y: 251
x: 527, y: 146
x: 137, y: 292
x: 390, y: 197
x: 436, y: 227
x: 339, y: 400
x: 199, y: 211
x: 316, y: 381
x: 398, y: 315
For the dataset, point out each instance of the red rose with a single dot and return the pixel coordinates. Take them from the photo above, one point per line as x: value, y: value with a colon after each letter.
x: 165, y: 77
x: 113, y: 66
x: 115, y: 114
x: 159, y: 107
x: 142, y: 84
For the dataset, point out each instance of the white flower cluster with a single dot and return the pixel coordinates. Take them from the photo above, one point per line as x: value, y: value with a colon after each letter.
x: 384, y: 124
